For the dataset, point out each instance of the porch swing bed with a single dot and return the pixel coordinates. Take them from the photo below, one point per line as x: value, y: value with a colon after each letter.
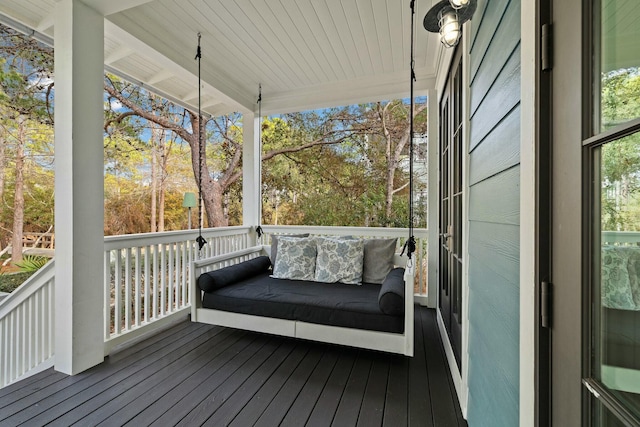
x: 248, y: 290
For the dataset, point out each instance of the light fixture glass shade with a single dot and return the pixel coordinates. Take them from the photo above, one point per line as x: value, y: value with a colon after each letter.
x: 189, y: 200
x: 449, y: 27
x: 458, y: 4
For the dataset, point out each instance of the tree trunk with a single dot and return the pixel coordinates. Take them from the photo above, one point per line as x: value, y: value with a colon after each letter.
x: 3, y: 165
x: 154, y: 183
x: 164, y: 158
x: 18, y: 203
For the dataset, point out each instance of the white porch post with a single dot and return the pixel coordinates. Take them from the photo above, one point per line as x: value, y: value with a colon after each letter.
x: 528, y: 135
x: 433, y: 160
x: 251, y: 171
x: 79, y: 186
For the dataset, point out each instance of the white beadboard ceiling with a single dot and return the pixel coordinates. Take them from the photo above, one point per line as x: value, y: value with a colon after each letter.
x: 306, y: 54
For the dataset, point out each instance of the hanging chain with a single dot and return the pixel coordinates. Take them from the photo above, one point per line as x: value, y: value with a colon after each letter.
x: 259, y: 230
x: 201, y: 156
x: 410, y: 245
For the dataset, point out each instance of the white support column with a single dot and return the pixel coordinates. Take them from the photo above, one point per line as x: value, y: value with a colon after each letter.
x: 251, y: 171
x: 528, y: 135
x: 79, y: 186
x: 433, y: 204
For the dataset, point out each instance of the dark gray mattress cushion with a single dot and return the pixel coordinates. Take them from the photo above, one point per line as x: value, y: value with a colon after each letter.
x: 226, y: 276
x: 333, y: 304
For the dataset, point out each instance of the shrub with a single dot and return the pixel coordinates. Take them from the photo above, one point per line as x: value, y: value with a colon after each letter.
x: 9, y: 282
x: 32, y: 263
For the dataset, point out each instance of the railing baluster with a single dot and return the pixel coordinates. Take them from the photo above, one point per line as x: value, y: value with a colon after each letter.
x: 170, y: 278
x: 107, y: 294
x: 127, y: 290
x: 163, y: 279
x: 184, y: 279
x: 118, y: 293
x: 147, y: 280
x: 137, y: 291
x: 154, y: 294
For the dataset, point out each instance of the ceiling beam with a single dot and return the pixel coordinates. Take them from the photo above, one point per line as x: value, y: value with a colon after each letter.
x: 110, y: 7
x: 178, y: 63
x: 180, y: 59
x: 117, y: 54
x: 160, y: 76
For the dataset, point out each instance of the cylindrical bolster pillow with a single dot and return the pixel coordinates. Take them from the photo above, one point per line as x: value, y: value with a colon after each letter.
x: 391, y: 296
x: 226, y: 276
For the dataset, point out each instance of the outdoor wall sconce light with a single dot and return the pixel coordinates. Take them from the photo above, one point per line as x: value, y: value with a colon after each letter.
x: 446, y: 17
x: 189, y: 202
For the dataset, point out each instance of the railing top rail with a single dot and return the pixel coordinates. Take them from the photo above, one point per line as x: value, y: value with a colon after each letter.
x: 358, y: 231
x: 25, y: 290
x: 227, y: 256
x: 621, y: 236
x: 142, y: 239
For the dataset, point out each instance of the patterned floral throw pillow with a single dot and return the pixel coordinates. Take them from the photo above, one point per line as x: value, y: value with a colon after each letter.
x: 296, y: 258
x: 339, y: 261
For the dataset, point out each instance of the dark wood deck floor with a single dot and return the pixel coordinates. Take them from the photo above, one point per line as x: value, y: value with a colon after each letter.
x: 194, y: 374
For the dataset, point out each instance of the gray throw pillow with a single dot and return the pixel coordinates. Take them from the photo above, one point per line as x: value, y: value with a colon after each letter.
x: 378, y: 259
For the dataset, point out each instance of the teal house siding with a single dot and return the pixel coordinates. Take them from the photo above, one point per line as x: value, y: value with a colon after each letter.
x: 494, y: 214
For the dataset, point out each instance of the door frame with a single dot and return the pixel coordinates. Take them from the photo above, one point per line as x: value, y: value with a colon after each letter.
x: 459, y: 378
x: 535, y: 216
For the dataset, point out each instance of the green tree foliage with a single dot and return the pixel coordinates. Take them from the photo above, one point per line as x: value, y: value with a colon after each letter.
x: 621, y: 159
x: 338, y: 166
x: 25, y: 94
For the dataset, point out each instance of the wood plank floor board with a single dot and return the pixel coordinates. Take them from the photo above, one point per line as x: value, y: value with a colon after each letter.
x: 230, y: 408
x: 9, y: 403
x: 327, y: 404
x: 420, y: 410
x: 68, y: 402
x: 395, y: 407
x: 117, y: 407
x: 195, y: 374
x: 443, y: 402
x: 42, y: 404
x: 153, y: 342
x: 223, y: 367
x: 277, y: 409
x: 372, y: 408
x: 199, y: 415
x: 351, y: 401
x: 252, y: 411
x: 69, y: 385
x: 153, y: 406
x: 301, y: 409
x: 29, y: 383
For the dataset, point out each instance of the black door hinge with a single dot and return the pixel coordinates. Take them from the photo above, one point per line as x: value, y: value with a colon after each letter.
x: 546, y: 304
x: 546, y: 47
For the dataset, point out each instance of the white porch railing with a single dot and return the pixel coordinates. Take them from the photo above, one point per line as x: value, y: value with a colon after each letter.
x: 621, y: 237
x: 146, y: 277
x: 26, y: 327
x: 146, y: 285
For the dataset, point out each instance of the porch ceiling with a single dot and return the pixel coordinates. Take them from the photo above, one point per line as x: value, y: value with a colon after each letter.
x: 305, y: 54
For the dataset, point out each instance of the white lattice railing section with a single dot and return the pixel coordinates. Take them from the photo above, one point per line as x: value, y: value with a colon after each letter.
x: 26, y: 326
x: 147, y: 276
x: 419, y: 258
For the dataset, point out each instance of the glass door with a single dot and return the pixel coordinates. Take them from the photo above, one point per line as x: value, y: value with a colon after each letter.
x: 611, y: 376
x: 451, y: 198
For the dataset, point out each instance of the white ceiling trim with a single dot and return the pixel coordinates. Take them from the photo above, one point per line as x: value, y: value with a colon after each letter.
x: 370, y: 89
